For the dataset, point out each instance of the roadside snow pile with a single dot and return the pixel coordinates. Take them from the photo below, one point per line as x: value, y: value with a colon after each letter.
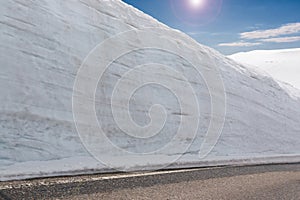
x: 44, y: 43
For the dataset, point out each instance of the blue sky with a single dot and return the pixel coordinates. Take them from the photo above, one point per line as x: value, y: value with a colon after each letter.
x: 238, y: 25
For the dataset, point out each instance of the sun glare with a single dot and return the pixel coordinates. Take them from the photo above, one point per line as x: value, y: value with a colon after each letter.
x: 196, y: 12
x: 196, y: 4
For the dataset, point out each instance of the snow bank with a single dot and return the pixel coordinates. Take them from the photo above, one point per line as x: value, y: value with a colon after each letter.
x: 43, y: 44
x: 282, y: 64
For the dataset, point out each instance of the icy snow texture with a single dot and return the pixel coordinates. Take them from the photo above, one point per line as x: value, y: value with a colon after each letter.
x: 42, y: 45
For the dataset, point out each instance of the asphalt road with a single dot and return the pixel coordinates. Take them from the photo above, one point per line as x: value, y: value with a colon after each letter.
x: 251, y: 182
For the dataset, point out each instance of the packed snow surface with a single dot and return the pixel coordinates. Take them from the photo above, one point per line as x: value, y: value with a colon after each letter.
x: 282, y: 64
x: 44, y: 43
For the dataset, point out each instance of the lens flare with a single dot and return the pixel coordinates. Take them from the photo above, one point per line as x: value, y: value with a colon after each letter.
x: 196, y: 12
x: 196, y: 4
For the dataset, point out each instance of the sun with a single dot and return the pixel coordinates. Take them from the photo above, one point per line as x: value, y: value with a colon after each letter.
x: 196, y: 4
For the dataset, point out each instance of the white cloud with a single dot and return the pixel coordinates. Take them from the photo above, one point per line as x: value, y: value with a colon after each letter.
x: 239, y: 44
x: 282, y: 39
x: 262, y: 34
x: 196, y: 33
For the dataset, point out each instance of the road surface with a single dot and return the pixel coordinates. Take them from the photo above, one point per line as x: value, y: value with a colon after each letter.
x: 250, y: 182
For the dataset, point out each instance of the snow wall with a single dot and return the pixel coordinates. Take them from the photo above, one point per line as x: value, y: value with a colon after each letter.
x: 196, y: 92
